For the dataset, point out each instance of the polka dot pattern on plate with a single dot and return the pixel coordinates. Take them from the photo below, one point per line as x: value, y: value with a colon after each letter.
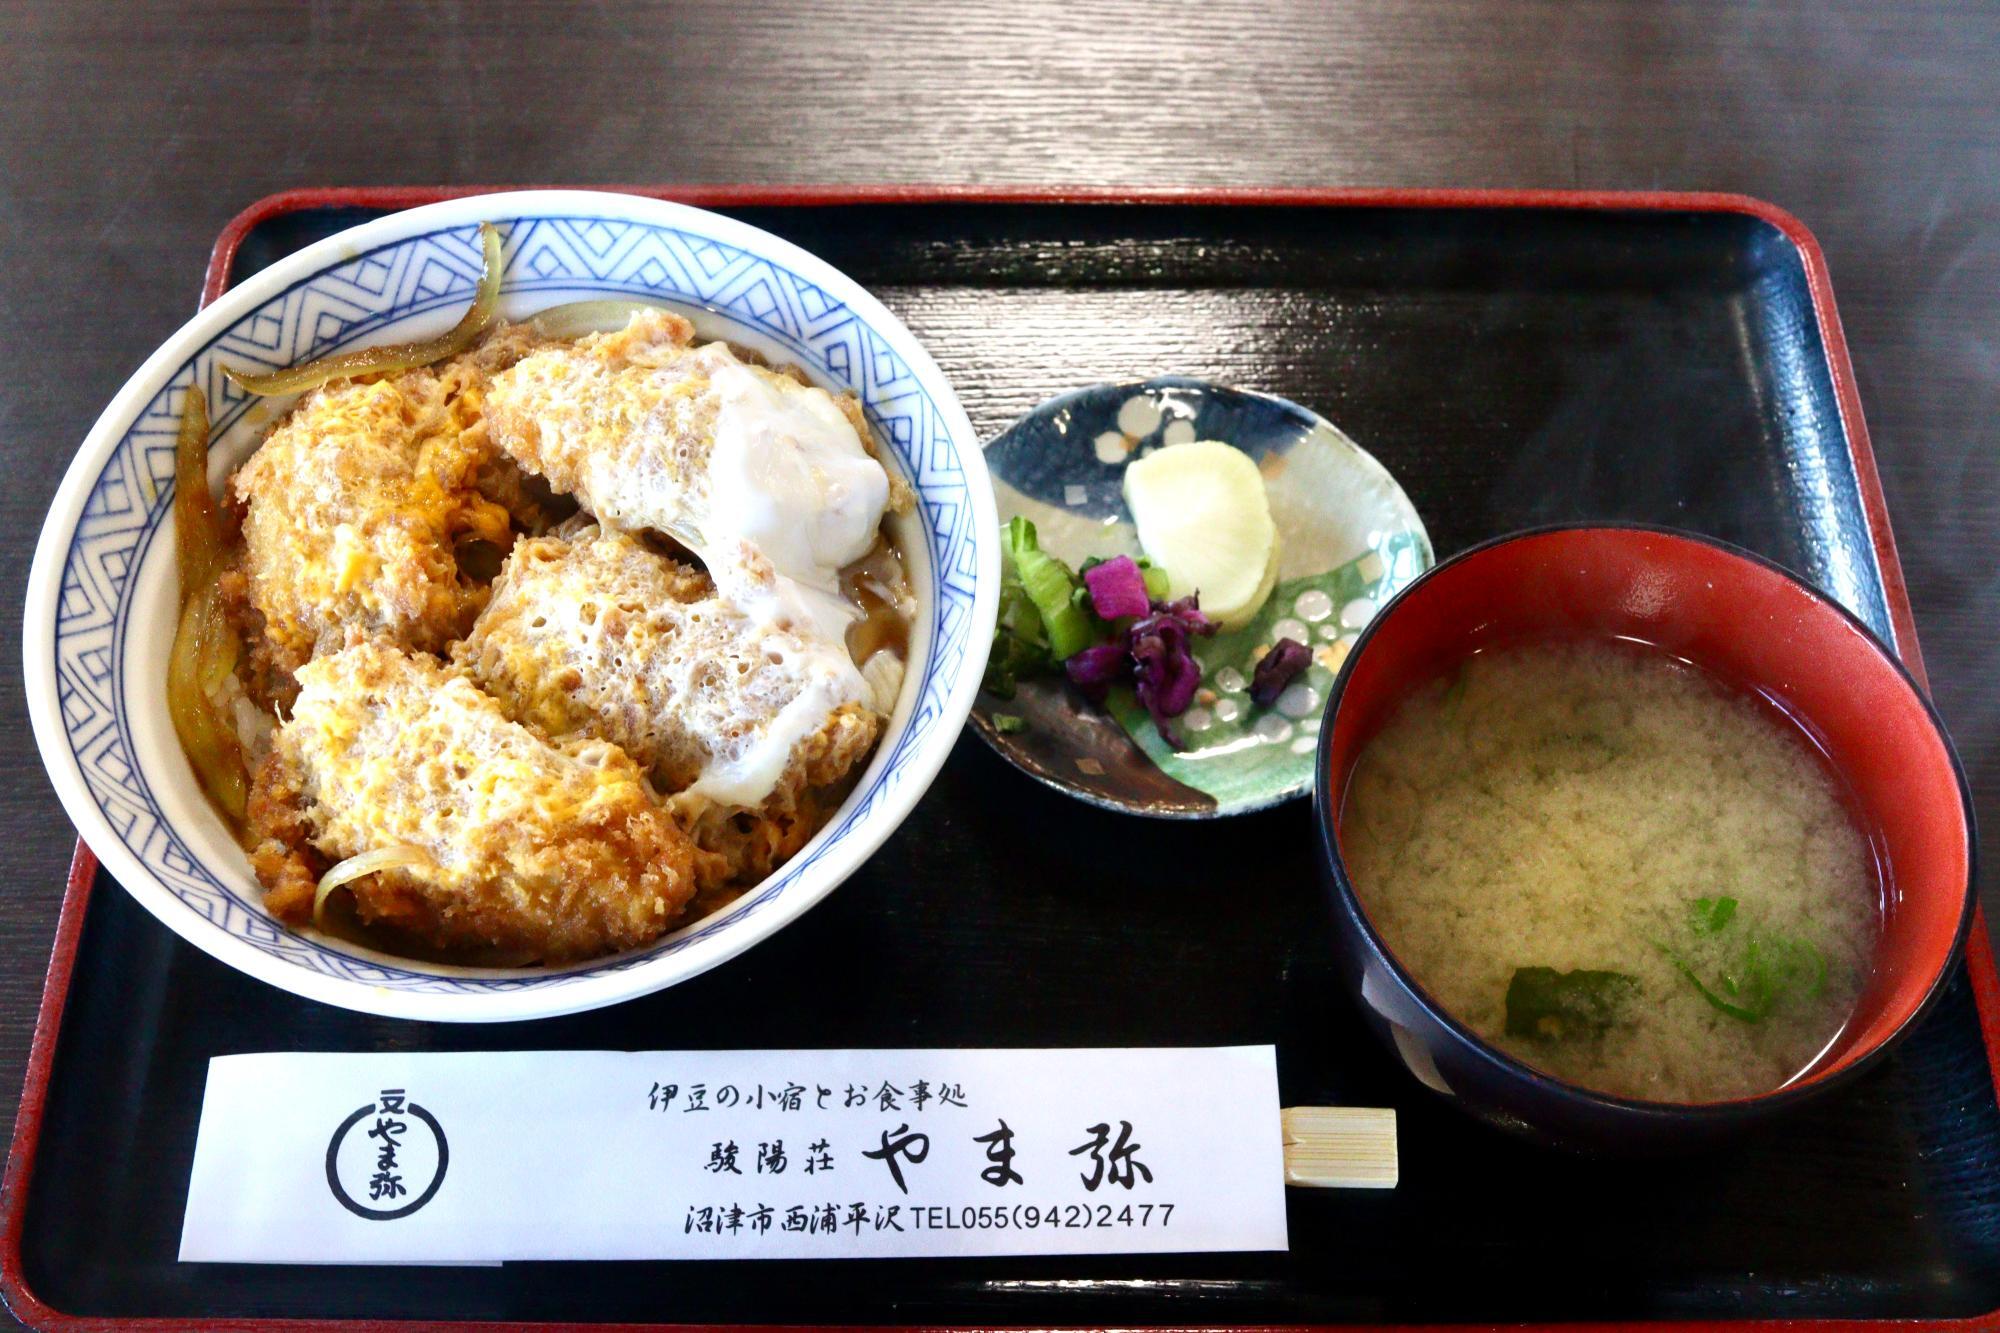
x: 1357, y: 613
x: 1298, y: 700
x: 1178, y: 432
x: 1272, y: 727
x: 1139, y: 417
x: 1313, y: 605
x: 1229, y: 680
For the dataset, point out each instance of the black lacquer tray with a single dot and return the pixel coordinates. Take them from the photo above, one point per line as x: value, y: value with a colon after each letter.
x: 1515, y: 360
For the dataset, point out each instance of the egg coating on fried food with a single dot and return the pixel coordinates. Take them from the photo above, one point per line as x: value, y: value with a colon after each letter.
x: 356, y: 505
x: 745, y: 465
x: 555, y: 850
x: 594, y: 633
x: 351, y: 511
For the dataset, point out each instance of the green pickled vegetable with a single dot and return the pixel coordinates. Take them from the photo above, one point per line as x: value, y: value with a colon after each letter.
x: 1011, y: 659
x: 1546, y: 1005
x: 1051, y: 587
x: 1008, y: 723
x: 1020, y: 644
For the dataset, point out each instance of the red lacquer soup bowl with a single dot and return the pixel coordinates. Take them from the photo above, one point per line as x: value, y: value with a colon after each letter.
x: 1748, y: 622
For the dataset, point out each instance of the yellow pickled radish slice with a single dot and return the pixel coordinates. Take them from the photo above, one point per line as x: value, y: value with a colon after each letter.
x: 1203, y: 517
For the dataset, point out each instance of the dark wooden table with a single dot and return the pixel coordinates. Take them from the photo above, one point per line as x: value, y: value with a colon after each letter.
x: 128, y: 136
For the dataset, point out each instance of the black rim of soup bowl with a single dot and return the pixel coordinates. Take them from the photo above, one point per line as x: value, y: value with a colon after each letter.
x: 1694, y: 1115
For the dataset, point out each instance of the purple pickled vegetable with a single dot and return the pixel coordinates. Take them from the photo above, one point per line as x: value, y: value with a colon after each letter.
x: 1094, y: 670
x: 1277, y: 669
x: 1117, y: 589
x: 1188, y: 611
x: 1152, y: 654
x: 1164, y: 673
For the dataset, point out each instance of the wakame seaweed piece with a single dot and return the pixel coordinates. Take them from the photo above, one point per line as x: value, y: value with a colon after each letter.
x: 1708, y: 916
x: 1546, y: 1005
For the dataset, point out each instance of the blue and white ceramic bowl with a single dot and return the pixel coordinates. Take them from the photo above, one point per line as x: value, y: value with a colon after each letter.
x: 101, y: 598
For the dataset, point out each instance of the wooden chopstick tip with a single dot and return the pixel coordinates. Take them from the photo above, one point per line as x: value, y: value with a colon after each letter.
x: 1340, y: 1147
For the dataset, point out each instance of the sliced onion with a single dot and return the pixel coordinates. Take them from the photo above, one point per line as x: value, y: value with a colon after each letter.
x: 883, y: 672
x: 197, y: 521
x: 205, y: 644
x: 574, y: 320
x: 394, y: 357
x: 400, y: 856
x: 203, y: 639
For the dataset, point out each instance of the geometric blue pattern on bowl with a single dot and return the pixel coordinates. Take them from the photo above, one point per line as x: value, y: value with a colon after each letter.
x: 416, y: 275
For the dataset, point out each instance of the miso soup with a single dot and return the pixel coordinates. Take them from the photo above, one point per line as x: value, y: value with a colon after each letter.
x: 1617, y: 869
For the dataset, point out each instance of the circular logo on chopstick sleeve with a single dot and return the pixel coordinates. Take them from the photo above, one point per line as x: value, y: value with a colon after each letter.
x: 387, y: 1159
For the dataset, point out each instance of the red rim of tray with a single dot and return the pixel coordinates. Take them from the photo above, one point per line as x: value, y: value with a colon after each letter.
x: 1979, y: 958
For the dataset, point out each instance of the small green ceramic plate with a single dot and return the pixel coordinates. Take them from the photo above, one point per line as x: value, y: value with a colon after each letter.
x: 1348, y: 539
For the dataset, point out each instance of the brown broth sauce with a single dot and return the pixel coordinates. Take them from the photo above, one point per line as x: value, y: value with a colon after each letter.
x: 878, y: 587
